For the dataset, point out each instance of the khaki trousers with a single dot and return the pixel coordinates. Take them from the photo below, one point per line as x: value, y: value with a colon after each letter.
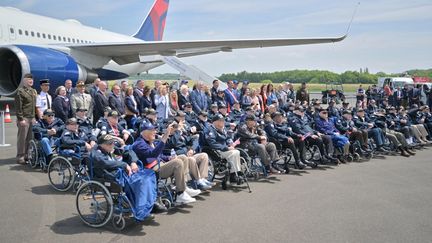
x: 233, y: 157
x: 173, y: 168
x: 25, y: 134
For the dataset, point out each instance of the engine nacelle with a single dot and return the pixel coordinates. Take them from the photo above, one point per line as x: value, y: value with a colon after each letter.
x: 43, y: 63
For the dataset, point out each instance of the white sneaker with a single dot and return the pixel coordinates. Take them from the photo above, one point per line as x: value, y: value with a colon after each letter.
x: 185, y: 198
x: 192, y: 192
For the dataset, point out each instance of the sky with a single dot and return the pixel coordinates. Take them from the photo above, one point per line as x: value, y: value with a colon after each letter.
x: 386, y: 35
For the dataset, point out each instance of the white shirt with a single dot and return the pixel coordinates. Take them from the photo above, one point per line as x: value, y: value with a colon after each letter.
x: 42, y: 103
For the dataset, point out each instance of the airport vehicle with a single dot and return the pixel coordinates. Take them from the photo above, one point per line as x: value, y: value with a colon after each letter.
x: 334, y: 91
x: 394, y: 82
x: 66, y: 49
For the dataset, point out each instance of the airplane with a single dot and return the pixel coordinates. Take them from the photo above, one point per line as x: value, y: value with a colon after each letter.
x: 58, y: 50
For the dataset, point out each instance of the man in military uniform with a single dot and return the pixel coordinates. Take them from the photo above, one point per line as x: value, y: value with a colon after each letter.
x: 72, y: 137
x: 197, y: 162
x: 255, y: 140
x: 84, y: 122
x: 82, y: 100
x: 236, y: 113
x: 363, y: 123
x: 300, y: 124
x: 346, y: 127
x: 284, y: 135
x: 44, y: 100
x: 115, y: 129
x: 46, y: 129
x: 219, y: 140
x: 151, y: 154
x: 302, y: 93
x: 25, y: 102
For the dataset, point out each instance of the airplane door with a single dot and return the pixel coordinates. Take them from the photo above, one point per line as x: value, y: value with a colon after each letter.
x: 12, y: 32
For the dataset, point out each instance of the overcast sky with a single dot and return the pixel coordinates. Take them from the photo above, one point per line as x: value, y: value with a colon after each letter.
x: 387, y: 35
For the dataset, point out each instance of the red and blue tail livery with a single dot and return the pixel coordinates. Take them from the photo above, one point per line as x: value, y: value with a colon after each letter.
x: 153, y: 26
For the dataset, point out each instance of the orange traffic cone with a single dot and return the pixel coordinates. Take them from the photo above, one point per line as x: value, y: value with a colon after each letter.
x: 7, y: 118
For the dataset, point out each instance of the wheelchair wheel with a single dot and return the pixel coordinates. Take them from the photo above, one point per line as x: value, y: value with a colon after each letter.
x: 33, y: 154
x: 61, y: 174
x: 94, y: 204
x: 118, y: 222
x: 211, y: 170
x: 356, y: 157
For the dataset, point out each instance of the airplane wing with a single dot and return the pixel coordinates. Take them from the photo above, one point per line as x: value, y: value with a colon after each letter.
x: 124, y: 53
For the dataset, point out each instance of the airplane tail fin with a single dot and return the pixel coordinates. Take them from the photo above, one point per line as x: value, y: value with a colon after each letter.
x: 152, y: 28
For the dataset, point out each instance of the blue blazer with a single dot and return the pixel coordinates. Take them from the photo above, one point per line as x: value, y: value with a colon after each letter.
x: 199, y: 101
x: 130, y: 105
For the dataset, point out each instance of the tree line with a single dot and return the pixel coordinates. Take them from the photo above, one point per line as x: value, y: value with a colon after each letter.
x: 318, y: 76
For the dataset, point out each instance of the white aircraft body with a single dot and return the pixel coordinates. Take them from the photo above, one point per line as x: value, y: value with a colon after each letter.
x: 66, y: 49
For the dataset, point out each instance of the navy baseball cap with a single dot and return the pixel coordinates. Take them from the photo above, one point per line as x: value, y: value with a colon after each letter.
x: 106, y: 139
x: 218, y: 117
x: 146, y: 125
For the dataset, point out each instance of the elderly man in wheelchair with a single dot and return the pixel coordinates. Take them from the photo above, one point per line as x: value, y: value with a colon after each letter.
x: 118, y: 187
x: 150, y: 152
x: 254, y: 140
x: 218, y: 139
x: 46, y: 130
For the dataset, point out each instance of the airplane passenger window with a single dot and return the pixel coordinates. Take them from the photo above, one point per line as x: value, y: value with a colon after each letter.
x: 20, y: 31
x: 43, y: 35
x: 73, y: 40
x: 12, y: 30
x: 49, y: 36
x: 64, y: 39
x: 38, y: 34
x: 59, y: 38
x: 54, y: 37
x: 32, y: 34
x: 26, y: 32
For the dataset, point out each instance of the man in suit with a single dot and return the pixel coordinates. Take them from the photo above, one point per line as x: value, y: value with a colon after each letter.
x: 199, y: 99
x: 115, y: 101
x: 69, y: 89
x: 82, y: 100
x: 92, y: 89
x: 139, y: 91
x: 100, y: 102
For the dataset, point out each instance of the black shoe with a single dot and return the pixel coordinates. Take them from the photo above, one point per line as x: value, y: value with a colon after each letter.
x: 309, y: 163
x: 324, y: 160
x: 278, y: 167
x: 159, y: 208
x: 300, y: 165
x: 411, y: 152
x: 403, y: 152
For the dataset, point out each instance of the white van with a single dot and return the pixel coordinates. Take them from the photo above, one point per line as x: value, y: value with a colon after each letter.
x: 395, y: 82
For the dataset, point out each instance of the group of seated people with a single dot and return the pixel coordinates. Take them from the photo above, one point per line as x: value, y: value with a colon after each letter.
x: 173, y: 147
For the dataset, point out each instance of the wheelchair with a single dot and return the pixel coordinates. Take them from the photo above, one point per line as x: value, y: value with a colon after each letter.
x: 312, y: 153
x: 100, y: 200
x: 36, y: 156
x: 219, y: 169
x: 285, y: 154
x: 68, y: 169
x: 254, y: 168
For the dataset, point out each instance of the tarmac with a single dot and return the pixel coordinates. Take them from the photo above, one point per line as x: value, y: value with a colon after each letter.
x: 381, y: 200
